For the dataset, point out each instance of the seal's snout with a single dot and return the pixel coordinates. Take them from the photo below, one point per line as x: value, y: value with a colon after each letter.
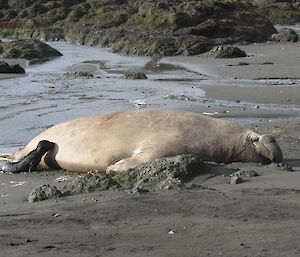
x: 270, y: 149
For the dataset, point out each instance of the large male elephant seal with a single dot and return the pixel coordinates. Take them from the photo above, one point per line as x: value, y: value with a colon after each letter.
x: 117, y: 141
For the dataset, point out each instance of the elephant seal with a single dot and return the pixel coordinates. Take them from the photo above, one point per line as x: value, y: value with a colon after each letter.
x: 30, y: 161
x: 117, y: 141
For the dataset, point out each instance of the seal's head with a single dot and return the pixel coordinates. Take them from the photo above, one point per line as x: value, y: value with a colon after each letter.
x: 267, y: 148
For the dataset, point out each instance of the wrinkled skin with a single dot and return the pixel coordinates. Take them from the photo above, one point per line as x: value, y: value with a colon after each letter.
x: 114, y: 142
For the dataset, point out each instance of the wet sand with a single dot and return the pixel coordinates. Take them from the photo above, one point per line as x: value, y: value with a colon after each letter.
x: 259, y: 217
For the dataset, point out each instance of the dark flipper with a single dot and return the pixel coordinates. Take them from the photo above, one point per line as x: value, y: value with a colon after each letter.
x: 31, y: 160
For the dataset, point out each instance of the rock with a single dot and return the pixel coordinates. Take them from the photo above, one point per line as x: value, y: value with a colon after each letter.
x: 79, y: 74
x: 43, y: 193
x: 6, y: 68
x: 226, y: 51
x: 139, y: 190
x: 235, y: 180
x: 161, y: 174
x: 91, y: 183
x: 283, y: 165
x: 135, y: 75
x: 153, y: 28
x: 28, y: 49
x: 243, y: 64
x: 246, y: 173
x: 3, y: 4
x: 285, y: 35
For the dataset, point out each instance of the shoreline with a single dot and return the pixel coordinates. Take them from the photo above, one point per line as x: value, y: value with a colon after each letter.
x: 254, y: 83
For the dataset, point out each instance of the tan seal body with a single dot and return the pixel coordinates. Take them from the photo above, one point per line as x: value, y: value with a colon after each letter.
x: 117, y: 141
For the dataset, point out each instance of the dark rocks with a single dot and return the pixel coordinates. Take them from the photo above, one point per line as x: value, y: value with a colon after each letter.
x: 28, y: 49
x: 278, y: 11
x: 285, y: 35
x: 43, y: 193
x: 142, y: 28
x: 282, y: 165
x: 161, y: 174
x: 226, y: 51
x: 91, y: 183
x: 135, y: 75
x: 6, y: 68
x: 246, y: 173
x: 78, y: 74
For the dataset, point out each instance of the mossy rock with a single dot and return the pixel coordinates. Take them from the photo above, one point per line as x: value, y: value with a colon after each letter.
x: 28, y: 49
x: 153, y: 20
x: 278, y: 15
x: 165, y: 173
x: 213, y: 28
x: 134, y: 75
x: 226, y: 51
x: 6, y: 68
x: 285, y: 35
x: 91, y: 183
x: 43, y: 193
x: 153, y: 28
x: 77, y: 13
x: 79, y: 74
x: 106, y: 19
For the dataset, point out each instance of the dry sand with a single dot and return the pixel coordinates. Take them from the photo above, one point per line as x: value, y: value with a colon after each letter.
x: 259, y: 217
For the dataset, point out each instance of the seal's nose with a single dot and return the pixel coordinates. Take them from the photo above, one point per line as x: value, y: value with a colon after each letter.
x: 269, y: 142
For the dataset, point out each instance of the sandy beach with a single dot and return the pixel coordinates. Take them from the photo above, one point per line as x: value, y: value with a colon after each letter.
x: 257, y: 218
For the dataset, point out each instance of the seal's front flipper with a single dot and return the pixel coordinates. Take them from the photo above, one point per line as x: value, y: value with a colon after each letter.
x: 122, y: 165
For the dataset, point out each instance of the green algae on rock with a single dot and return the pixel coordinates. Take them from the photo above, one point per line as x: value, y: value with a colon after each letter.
x: 79, y: 74
x: 226, y: 51
x: 134, y: 75
x: 28, y: 49
x: 169, y: 173
x: 91, y: 183
x: 161, y: 174
x: 43, y: 193
x: 285, y: 35
x: 6, y: 68
x: 137, y: 27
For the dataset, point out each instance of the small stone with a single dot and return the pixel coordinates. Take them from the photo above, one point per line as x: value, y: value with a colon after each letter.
x: 285, y: 166
x: 139, y: 190
x: 135, y: 75
x: 246, y: 173
x: 171, y: 232
x: 226, y: 51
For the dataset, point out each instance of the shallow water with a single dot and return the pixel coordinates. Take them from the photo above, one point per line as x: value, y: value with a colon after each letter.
x: 45, y: 96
